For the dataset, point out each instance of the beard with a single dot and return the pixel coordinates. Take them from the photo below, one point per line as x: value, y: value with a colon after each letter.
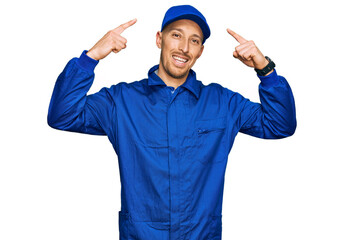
x: 171, y: 73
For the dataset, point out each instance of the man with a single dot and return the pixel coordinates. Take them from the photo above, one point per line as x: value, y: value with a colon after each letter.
x: 172, y: 134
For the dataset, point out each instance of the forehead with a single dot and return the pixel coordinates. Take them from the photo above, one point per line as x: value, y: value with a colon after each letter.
x: 185, y: 25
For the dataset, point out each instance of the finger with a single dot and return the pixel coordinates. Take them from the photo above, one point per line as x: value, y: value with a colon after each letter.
x: 121, y: 39
x: 129, y: 23
x: 237, y: 37
x: 119, y: 43
x: 235, y: 54
x: 124, y: 26
x: 242, y: 46
x: 246, y: 53
x: 119, y: 47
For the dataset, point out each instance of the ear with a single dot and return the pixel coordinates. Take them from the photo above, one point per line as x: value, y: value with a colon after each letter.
x: 159, y: 39
x: 201, y: 50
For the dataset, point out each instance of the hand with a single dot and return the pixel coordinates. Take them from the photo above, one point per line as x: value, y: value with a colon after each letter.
x: 111, y: 42
x: 247, y: 52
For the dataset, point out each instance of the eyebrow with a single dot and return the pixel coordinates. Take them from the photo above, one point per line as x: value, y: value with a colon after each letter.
x: 180, y: 30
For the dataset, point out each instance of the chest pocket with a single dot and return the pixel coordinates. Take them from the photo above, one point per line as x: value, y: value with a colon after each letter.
x: 211, y: 140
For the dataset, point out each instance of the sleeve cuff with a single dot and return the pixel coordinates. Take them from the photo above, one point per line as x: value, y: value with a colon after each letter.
x: 270, y: 80
x: 86, y: 62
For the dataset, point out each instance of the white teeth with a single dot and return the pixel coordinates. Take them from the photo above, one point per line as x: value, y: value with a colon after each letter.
x: 179, y: 59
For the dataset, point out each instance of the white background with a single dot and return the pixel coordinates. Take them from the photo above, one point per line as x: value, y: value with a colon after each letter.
x: 61, y: 185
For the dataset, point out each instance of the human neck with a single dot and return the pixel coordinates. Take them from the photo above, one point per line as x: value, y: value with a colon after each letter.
x: 168, y: 80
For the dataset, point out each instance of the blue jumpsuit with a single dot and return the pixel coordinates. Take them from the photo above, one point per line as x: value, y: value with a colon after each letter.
x: 172, y: 148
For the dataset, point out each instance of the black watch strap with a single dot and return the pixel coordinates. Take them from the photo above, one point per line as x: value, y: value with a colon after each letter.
x: 267, y: 69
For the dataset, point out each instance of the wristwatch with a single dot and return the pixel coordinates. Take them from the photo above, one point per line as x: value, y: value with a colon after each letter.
x: 267, y: 69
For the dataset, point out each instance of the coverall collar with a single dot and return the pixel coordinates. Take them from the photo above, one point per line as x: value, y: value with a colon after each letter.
x: 191, y: 83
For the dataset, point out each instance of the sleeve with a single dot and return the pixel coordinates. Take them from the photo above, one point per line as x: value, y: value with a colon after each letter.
x: 273, y: 118
x: 71, y: 109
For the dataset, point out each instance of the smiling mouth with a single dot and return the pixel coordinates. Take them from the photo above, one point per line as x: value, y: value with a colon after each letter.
x: 179, y: 59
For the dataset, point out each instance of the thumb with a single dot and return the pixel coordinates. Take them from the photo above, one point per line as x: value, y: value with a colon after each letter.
x: 235, y: 54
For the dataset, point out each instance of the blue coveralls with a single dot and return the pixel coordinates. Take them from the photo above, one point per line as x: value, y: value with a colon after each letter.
x: 172, y: 148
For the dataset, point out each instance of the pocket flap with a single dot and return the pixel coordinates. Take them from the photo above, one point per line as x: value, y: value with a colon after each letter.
x: 205, y: 125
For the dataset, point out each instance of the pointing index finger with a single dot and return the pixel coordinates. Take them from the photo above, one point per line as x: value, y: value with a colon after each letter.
x: 238, y: 38
x: 126, y: 25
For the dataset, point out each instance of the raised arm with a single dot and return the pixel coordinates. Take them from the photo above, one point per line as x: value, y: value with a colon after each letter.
x: 70, y: 108
x: 274, y: 117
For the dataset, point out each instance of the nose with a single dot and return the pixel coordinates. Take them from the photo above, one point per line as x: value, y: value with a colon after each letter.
x: 184, y: 46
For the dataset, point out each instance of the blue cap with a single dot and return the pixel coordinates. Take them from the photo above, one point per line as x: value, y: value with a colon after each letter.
x: 186, y: 12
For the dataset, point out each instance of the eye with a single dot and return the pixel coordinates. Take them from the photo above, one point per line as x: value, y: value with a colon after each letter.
x: 176, y: 35
x: 195, y: 41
